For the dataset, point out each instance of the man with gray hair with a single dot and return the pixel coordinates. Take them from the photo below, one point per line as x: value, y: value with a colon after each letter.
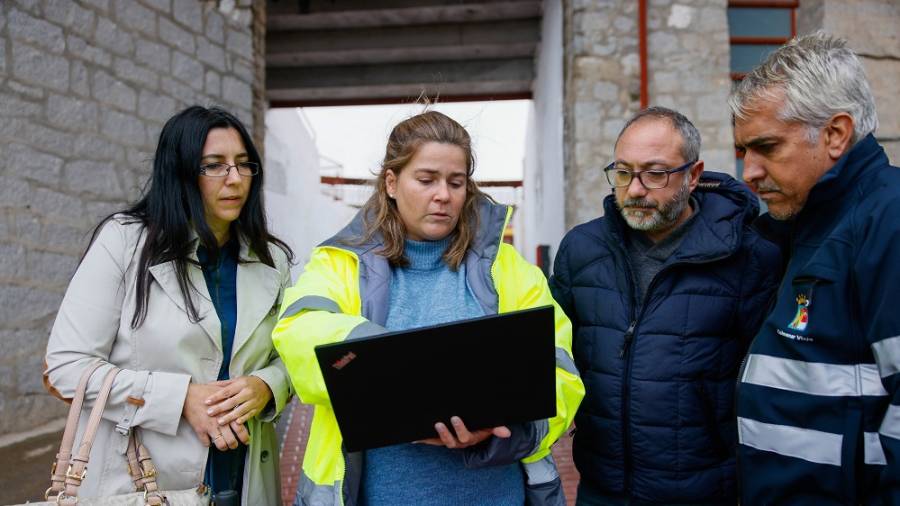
x: 664, y: 294
x: 819, y: 394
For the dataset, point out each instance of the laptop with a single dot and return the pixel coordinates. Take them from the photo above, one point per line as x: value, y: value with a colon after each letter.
x: 490, y: 371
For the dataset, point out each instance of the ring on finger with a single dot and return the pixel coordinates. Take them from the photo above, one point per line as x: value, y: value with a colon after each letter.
x: 218, y: 436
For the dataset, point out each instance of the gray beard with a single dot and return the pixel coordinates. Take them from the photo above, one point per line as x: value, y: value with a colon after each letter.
x: 662, y: 216
x: 783, y: 216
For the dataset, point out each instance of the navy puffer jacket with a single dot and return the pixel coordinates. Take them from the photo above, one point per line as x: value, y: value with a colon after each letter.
x: 658, y: 420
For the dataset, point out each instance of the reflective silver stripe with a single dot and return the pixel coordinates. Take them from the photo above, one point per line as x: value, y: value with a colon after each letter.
x: 870, y: 380
x: 315, y: 302
x: 812, y: 377
x: 565, y: 362
x: 541, y: 429
x: 310, y: 494
x: 874, y: 453
x: 887, y: 354
x: 807, y: 444
x: 365, y: 329
x: 542, y: 471
x: 890, y: 426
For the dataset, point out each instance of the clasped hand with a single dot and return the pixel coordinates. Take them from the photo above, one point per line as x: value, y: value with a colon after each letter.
x: 461, y: 437
x: 217, y: 411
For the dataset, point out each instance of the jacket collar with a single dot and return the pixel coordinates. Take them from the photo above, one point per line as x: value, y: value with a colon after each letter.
x: 726, y: 207
x: 375, y: 272
x: 492, y: 221
x: 856, y: 163
x: 258, y: 286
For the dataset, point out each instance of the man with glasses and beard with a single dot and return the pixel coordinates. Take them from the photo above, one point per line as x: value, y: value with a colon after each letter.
x: 664, y: 293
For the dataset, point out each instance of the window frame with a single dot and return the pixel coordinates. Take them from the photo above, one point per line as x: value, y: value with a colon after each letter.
x: 793, y: 5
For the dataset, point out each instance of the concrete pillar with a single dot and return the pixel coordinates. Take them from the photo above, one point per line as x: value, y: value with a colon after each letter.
x: 544, y: 185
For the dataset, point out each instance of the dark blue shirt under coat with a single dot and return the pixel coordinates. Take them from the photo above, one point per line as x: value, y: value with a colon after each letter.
x: 224, y: 470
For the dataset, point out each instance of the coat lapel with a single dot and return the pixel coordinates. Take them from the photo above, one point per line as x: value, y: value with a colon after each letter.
x: 165, y: 276
x: 258, y: 287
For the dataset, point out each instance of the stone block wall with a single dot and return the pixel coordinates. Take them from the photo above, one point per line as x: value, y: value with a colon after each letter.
x: 85, y: 87
x: 688, y: 67
x: 870, y: 27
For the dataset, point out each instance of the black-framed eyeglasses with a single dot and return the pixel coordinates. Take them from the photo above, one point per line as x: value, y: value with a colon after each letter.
x: 221, y: 169
x: 653, y: 179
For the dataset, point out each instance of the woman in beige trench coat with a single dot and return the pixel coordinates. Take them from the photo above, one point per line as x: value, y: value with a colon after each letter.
x: 140, y: 301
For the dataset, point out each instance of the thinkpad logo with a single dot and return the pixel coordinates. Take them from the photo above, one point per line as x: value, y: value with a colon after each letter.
x: 343, y: 361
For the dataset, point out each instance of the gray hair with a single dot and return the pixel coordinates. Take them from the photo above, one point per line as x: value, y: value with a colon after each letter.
x: 690, y: 137
x: 819, y: 77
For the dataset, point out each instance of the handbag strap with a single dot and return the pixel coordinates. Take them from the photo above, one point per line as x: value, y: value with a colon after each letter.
x: 77, y: 469
x: 143, y: 471
x: 58, y: 471
x: 140, y: 465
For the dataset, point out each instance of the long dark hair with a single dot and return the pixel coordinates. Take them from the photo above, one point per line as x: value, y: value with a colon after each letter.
x: 171, y: 206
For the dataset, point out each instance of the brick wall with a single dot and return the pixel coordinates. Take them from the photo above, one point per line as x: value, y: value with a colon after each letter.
x: 688, y: 71
x: 85, y: 87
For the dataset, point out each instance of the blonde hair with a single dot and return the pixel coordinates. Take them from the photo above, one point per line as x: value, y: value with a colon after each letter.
x: 380, y: 213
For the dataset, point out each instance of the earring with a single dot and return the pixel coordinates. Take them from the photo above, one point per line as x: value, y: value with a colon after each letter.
x: 391, y: 195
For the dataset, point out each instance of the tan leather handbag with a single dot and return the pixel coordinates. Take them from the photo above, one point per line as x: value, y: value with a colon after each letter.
x: 70, y: 469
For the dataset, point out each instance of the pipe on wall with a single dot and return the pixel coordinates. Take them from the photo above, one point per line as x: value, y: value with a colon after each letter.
x: 642, y: 52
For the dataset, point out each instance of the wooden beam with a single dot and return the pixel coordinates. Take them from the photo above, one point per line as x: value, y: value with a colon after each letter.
x: 413, y: 73
x: 284, y: 97
x: 500, y: 32
x: 401, y: 55
x: 444, y: 98
x: 465, y: 13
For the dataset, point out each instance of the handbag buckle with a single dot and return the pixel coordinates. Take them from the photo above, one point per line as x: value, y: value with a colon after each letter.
x: 161, y: 497
x: 47, y: 493
x: 75, y: 476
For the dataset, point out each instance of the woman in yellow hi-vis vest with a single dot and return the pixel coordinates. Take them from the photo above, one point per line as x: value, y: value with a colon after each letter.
x: 426, y: 248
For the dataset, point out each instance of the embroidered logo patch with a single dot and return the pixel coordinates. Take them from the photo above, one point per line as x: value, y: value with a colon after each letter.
x: 801, y: 318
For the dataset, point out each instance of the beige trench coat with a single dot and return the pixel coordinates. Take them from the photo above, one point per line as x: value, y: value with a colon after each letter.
x: 161, y: 357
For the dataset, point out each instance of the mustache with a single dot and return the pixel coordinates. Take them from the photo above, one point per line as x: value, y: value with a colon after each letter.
x: 641, y: 203
x: 768, y: 187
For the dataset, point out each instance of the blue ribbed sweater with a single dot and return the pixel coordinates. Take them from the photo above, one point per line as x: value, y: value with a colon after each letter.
x: 428, y: 292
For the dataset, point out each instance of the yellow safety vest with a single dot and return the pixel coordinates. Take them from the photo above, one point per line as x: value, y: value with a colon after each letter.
x: 326, y: 306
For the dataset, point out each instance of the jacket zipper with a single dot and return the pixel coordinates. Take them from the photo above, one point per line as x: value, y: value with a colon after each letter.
x: 737, y: 387
x: 737, y: 395
x: 629, y: 335
x: 625, y: 353
x: 637, y: 311
x: 626, y: 403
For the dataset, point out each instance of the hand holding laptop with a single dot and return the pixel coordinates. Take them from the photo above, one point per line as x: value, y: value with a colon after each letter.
x: 510, y: 380
x: 463, y: 438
